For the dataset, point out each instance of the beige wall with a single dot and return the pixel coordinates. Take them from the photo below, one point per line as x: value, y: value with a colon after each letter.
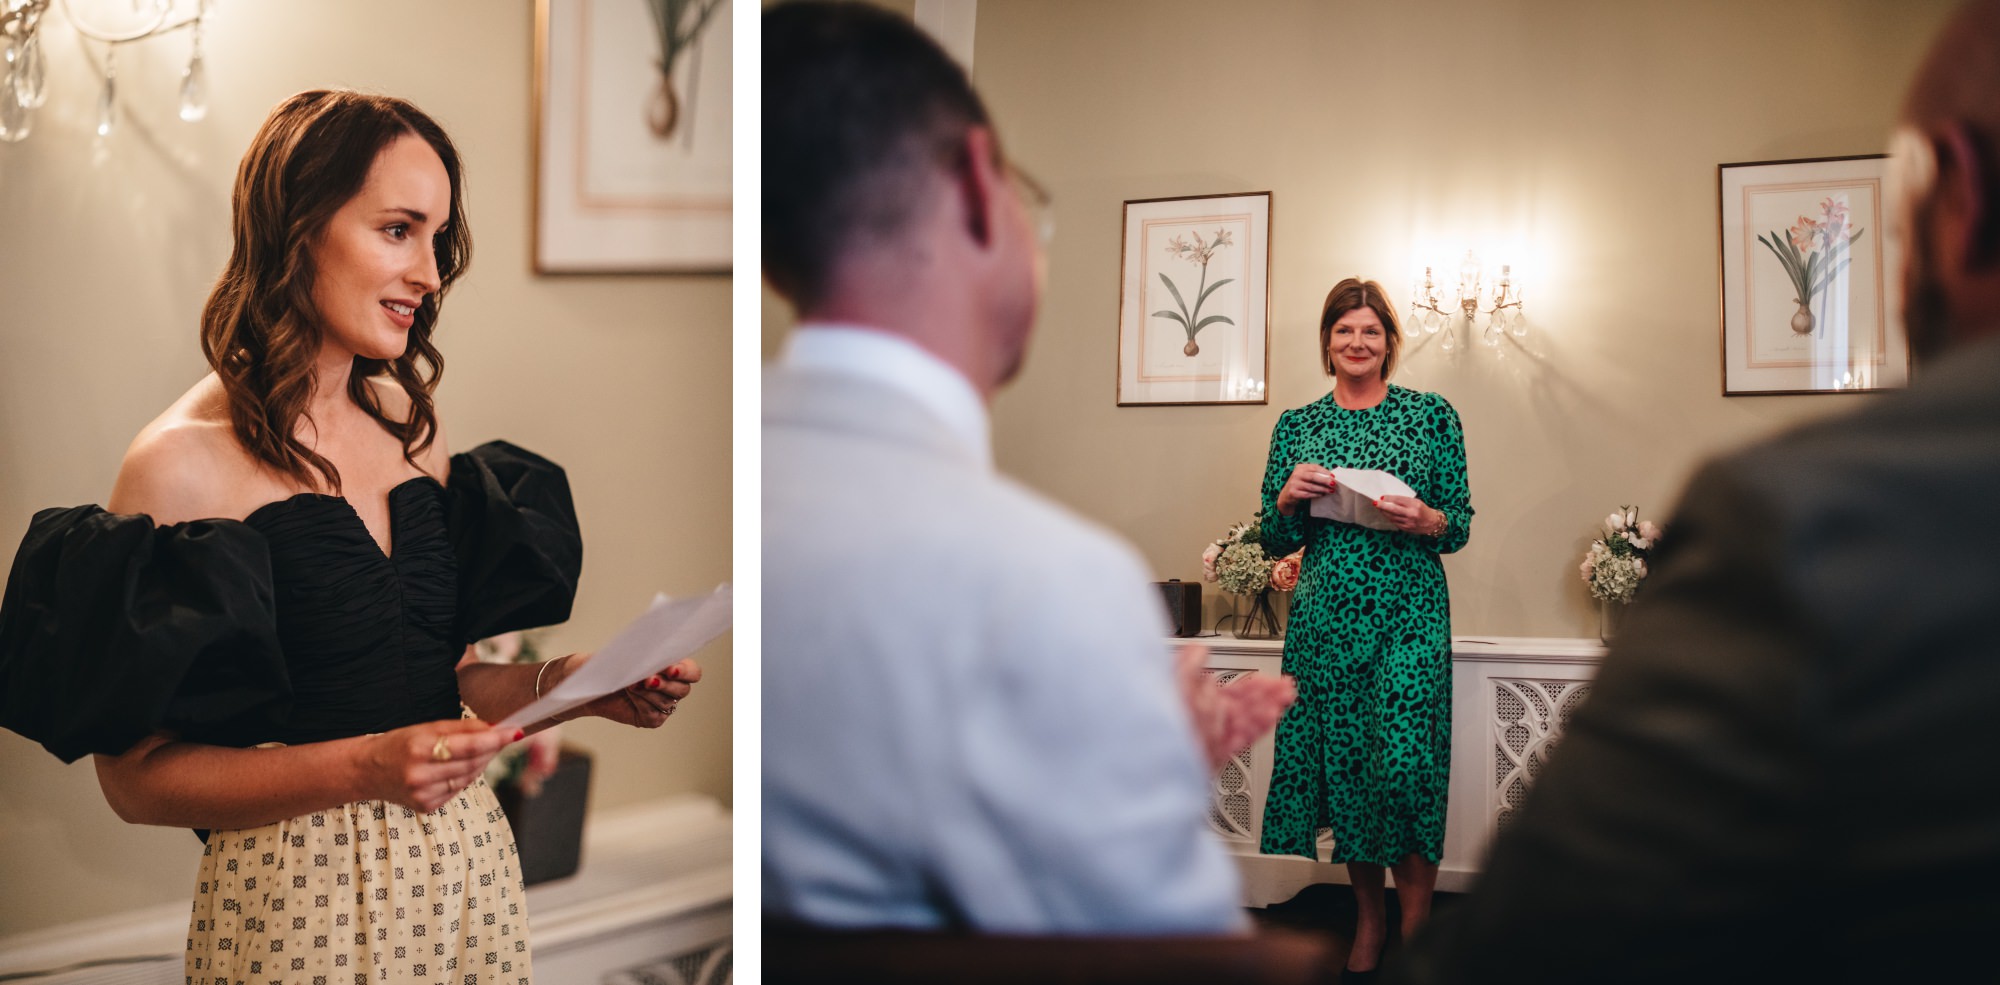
x: 107, y: 251
x: 1589, y: 130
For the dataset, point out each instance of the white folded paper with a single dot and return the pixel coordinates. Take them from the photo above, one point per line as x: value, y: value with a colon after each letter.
x: 667, y: 631
x: 1354, y: 494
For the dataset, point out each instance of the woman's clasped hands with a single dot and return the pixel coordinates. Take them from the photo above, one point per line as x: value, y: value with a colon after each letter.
x: 1309, y: 480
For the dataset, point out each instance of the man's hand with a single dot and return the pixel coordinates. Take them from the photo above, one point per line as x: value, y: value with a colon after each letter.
x: 1230, y: 717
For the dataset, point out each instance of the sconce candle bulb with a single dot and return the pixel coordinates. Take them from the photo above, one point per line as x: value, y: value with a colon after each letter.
x: 1468, y: 285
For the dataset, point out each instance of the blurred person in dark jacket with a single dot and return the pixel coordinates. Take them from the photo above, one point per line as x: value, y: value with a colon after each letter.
x: 1786, y: 770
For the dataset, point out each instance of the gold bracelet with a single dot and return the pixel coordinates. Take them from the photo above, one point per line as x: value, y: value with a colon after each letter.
x: 546, y: 664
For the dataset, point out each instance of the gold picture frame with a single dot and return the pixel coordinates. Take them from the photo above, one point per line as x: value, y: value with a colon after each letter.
x: 1194, y: 300
x: 631, y: 165
x: 1809, y: 293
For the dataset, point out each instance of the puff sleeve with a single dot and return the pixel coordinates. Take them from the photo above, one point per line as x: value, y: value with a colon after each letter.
x: 113, y: 628
x: 513, y: 528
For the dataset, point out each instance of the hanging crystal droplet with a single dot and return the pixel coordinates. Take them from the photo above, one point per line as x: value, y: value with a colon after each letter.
x: 107, y: 104
x: 194, y: 91
x: 194, y: 80
x: 15, y: 119
x: 31, y: 80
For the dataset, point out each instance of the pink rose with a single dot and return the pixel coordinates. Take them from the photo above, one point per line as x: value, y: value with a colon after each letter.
x: 1285, y: 571
x: 1208, y: 561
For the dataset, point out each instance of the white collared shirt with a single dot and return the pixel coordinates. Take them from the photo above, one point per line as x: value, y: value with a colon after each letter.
x: 971, y: 716
x: 893, y: 361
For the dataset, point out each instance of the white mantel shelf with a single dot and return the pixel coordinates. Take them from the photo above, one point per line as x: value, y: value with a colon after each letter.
x: 1504, y: 649
x: 1511, y: 696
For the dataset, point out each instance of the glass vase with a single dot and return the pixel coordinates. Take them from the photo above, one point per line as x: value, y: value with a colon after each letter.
x: 1257, y: 616
x: 1609, y: 615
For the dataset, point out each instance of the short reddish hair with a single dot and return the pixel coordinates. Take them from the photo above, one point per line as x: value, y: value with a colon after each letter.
x: 1355, y: 293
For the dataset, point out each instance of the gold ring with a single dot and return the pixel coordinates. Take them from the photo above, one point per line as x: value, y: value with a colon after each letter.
x: 441, y: 752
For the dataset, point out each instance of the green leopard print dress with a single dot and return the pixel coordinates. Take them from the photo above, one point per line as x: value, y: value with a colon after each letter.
x: 1366, y: 751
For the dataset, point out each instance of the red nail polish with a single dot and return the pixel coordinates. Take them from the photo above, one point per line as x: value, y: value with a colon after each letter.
x: 519, y: 733
x: 655, y: 682
x: 674, y: 672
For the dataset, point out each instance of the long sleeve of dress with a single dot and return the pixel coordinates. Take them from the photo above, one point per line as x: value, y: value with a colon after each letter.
x: 1284, y: 534
x: 1449, y: 492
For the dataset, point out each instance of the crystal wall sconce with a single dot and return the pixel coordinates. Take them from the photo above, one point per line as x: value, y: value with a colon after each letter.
x: 23, y: 74
x: 1432, y: 313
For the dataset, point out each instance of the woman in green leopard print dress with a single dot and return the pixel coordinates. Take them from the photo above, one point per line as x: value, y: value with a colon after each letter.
x: 1366, y: 750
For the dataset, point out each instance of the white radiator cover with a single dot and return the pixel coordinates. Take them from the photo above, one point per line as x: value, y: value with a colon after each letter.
x: 1511, y: 697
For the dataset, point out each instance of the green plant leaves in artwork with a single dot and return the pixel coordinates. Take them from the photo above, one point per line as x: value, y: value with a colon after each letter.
x: 1164, y: 279
x: 1186, y: 319
x: 1823, y: 277
x: 1788, y: 257
x: 1815, y: 273
x: 1211, y: 290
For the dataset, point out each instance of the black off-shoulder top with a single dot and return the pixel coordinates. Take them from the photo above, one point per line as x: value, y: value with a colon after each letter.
x: 290, y: 625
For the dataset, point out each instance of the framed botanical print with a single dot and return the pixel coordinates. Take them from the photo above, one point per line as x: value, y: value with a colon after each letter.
x: 1194, y: 300
x: 632, y: 136
x: 1809, y: 281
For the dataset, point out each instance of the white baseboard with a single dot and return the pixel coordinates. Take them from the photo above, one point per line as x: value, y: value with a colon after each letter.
x: 654, y: 888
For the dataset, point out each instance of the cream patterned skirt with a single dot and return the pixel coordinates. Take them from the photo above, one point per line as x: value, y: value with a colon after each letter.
x: 368, y: 892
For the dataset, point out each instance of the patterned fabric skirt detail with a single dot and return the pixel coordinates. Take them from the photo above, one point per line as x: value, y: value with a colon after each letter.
x: 1366, y: 751
x: 368, y: 892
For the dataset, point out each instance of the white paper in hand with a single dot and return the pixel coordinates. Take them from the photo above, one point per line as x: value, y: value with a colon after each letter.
x: 667, y: 631
x: 1354, y: 494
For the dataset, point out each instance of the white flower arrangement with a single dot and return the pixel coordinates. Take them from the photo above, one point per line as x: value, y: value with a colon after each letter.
x: 1614, y: 565
x: 1236, y: 561
x: 1243, y: 569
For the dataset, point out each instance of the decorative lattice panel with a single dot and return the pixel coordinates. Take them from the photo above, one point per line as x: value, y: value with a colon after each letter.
x: 708, y: 965
x: 1529, y: 716
x: 1229, y: 793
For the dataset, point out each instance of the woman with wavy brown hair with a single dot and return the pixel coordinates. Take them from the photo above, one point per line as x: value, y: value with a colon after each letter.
x: 261, y: 635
